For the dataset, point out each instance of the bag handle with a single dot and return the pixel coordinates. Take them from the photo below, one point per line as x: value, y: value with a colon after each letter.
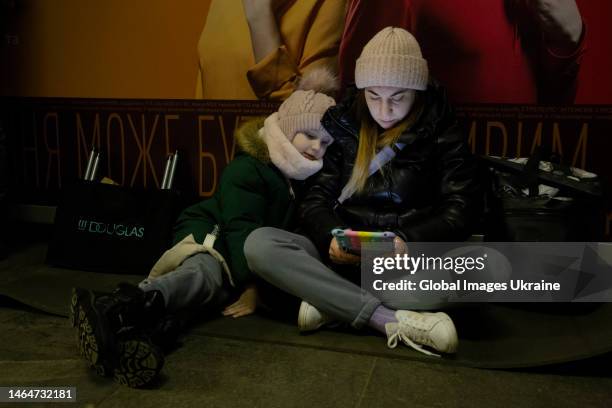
x: 91, y: 171
x: 529, y: 176
x: 169, y: 171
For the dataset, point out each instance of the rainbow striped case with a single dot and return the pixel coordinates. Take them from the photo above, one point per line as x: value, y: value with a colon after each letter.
x: 351, y: 241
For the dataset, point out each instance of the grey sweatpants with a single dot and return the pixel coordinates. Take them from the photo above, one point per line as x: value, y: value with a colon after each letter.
x: 196, y: 283
x: 291, y: 262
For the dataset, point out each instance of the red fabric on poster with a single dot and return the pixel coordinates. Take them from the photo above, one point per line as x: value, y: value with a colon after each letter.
x: 489, y: 51
x: 595, y: 76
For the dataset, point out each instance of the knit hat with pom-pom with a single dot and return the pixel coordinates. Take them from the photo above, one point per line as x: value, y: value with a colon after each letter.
x: 303, y: 110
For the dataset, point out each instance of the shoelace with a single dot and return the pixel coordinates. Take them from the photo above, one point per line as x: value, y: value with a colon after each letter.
x: 116, y: 308
x: 398, y: 335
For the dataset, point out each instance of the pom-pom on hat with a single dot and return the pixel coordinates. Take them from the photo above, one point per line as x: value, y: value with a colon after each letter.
x: 303, y: 109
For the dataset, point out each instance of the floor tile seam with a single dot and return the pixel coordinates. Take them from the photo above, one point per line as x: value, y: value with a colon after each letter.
x: 100, y: 402
x: 379, y: 355
x: 367, y: 383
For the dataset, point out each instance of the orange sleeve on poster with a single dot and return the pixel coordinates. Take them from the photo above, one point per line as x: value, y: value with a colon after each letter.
x: 274, y: 77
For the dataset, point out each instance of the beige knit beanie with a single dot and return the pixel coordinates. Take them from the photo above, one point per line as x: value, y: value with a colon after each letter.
x: 392, y: 58
x: 302, y: 112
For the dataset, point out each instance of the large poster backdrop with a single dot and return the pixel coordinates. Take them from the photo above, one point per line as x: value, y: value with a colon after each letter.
x: 521, y: 73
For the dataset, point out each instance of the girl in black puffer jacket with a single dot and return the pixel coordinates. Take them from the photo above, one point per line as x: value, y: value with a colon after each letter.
x: 428, y: 191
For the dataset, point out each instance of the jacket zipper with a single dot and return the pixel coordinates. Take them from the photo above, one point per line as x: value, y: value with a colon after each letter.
x: 291, y: 191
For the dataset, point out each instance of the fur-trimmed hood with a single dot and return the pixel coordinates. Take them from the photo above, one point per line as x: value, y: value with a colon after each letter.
x: 249, y: 141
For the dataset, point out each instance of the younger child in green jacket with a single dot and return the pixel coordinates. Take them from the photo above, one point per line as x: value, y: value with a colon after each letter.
x: 206, y: 266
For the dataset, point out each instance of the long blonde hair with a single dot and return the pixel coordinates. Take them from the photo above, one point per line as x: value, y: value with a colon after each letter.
x: 371, y: 141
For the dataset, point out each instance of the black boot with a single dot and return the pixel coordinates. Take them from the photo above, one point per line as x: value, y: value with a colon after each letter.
x: 161, y: 327
x: 112, y: 335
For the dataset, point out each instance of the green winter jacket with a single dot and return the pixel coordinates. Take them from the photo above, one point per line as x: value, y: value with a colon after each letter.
x: 252, y: 193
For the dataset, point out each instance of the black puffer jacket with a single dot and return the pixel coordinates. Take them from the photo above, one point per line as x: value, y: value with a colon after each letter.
x: 428, y: 192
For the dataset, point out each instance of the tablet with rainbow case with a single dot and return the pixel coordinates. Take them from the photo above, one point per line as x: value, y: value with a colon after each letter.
x: 350, y: 241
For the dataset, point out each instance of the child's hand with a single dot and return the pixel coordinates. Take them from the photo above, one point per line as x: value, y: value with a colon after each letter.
x: 245, y: 305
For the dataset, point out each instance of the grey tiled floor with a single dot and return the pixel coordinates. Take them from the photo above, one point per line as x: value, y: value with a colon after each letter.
x: 208, y: 371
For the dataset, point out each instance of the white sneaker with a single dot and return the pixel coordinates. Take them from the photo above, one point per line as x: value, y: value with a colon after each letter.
x: 435, y: 330
x: 310, y: 318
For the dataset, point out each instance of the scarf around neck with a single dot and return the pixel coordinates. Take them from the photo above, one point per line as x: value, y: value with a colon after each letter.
x: 284, y: 155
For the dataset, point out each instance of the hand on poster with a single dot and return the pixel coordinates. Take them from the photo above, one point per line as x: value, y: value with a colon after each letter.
x: 254, y: 9
x: 245, y: 305
x: 561, y: 22
x: 265, y: 36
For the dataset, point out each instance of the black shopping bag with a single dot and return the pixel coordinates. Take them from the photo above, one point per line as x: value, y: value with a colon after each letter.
x: 542, y: 201
x: 112, y: 229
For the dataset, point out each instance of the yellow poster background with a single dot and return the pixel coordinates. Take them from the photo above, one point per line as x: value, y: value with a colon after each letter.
x: 101, y: 48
